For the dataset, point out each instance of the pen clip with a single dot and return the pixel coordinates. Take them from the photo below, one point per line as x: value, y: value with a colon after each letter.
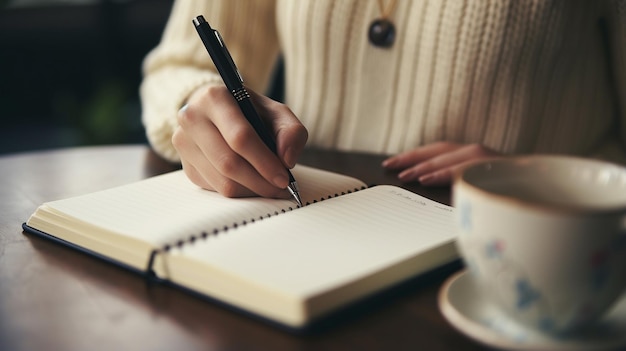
x: 227, y: 54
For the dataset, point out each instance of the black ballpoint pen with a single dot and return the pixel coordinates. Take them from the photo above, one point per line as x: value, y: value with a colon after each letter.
x: 225, y: 65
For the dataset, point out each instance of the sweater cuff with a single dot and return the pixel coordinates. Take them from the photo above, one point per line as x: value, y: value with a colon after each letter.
x: 163, y: 93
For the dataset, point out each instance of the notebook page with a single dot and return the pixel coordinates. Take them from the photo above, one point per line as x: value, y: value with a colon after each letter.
x: 316, y: 184
x: 329, y: 243
x: 168, y: 208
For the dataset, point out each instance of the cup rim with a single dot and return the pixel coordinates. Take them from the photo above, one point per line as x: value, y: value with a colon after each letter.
x: 459, y: 180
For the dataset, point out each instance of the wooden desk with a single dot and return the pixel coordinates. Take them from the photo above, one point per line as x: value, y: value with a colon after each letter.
x: 53, y: 298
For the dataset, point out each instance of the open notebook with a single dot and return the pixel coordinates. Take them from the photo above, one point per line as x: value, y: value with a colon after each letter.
x: 287, y: 264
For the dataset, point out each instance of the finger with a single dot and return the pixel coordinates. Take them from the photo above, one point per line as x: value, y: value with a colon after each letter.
x: 187, y: 151
x: 440, y: 169
x: 432, y: 164
x: 440, y: 177
x: 438, y: 162
x: 291, y: 135
x: 241, y: 137
x: 191, y: 154
x: 418, y: 155
x: 204, y: 148
x: 195, y: 176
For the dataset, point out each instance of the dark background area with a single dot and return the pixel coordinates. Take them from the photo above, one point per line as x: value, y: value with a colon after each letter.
x: 70, y: 70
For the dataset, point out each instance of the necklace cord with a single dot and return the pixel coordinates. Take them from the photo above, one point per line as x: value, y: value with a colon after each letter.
x: 386, y: 11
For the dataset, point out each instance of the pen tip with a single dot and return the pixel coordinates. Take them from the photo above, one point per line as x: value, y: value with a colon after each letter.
x: 293, y: 190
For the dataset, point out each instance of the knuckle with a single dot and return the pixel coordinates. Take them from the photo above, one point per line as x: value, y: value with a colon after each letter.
x: 178, y: 139
x: 214, y: 93
x: 228, y: 165
x: 239, y: 137
x: 186, y: 117
x: 229, y: 188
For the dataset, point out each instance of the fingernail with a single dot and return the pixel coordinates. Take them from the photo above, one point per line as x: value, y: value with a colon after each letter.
x: 427, y: 179
x: 405, y: 175
x: 388, y: 162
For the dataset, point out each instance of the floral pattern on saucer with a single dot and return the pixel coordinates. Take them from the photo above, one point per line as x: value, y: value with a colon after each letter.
x: 466, y: 307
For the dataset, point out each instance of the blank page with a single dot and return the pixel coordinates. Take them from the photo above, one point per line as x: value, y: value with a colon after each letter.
x: 328, y: 243
x: 168, y: 208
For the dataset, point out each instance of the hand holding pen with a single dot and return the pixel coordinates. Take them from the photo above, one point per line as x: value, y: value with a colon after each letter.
x: 220, y: 149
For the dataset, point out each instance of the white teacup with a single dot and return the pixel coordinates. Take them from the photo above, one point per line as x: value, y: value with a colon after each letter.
x: 545, y: 236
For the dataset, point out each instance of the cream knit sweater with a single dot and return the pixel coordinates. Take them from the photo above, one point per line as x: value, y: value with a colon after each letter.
x: 519, y: 76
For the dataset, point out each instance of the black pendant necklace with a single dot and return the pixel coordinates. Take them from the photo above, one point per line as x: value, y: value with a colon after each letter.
x: 382, y: 31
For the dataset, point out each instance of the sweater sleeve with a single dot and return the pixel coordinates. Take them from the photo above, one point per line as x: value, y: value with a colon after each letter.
x: 180, y: 64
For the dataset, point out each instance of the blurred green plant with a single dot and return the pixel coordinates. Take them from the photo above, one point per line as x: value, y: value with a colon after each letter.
x: 110, y: 115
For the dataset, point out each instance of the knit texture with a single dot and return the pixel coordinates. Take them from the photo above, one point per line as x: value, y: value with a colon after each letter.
x: 544, y: 76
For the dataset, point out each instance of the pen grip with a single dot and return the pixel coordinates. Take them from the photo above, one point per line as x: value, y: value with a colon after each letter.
x: 248, y: 110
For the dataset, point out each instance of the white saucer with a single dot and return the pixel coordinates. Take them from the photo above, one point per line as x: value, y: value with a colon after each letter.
x: 467, y: 310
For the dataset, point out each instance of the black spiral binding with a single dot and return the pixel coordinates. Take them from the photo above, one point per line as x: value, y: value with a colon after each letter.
x: 151, y: 275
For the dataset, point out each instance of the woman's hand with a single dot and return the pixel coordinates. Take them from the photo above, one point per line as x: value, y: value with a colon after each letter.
x: 220, y: 150
x: 436, y: 163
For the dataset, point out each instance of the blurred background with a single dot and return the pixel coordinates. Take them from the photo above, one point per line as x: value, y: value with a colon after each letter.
x: 70, y: 70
